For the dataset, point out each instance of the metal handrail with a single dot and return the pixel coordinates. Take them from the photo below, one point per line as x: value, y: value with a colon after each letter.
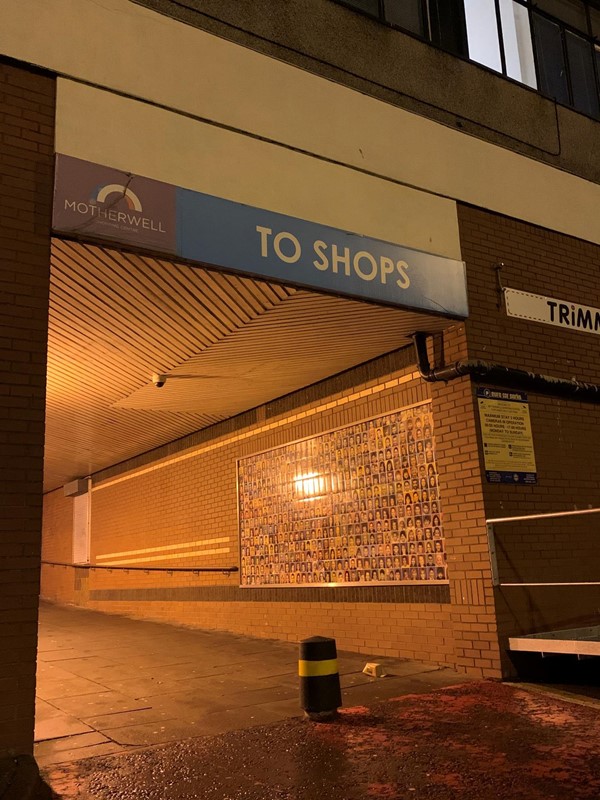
x: 544, y: 516
x: 489, y: 523
x: 223, y: 570
x: 572, y: 583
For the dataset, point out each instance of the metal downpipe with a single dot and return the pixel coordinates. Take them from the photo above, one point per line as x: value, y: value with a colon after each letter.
x: 503, y: 376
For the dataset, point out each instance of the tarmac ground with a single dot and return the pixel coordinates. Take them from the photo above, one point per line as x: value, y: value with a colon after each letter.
x: 421, y: 732
x: 474, y: 741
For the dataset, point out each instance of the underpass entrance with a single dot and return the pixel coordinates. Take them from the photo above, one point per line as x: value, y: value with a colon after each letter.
x: 237, y: 435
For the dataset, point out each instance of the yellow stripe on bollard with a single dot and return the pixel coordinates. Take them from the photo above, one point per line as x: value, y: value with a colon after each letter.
x: 314, y: 669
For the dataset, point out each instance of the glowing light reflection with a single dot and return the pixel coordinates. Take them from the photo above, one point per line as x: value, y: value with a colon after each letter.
x: 310, y: 486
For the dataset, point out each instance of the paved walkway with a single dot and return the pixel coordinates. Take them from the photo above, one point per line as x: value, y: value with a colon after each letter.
x: 141, y: 711
x: 107, y: 684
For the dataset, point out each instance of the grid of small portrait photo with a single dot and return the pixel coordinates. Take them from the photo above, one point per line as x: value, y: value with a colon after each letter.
x: 359, y: 505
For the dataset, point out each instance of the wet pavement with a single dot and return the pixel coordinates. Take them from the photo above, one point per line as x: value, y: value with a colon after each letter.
x: 135, y: 710
x: 108, y: 684
x: 474, y: 741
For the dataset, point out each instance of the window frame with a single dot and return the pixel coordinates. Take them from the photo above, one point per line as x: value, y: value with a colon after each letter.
x: 532, y: 9
x: 592, y: 41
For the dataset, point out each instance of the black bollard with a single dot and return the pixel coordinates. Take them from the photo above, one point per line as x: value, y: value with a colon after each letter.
x: 320, y: 693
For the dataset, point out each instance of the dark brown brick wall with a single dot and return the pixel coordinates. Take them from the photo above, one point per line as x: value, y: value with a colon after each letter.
x: 566, y: 432
x: 27, y: 101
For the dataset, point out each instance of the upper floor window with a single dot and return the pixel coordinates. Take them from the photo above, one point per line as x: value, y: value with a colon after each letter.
x: 568, y: 56
x: 442, y: 22
x: 550, y: 45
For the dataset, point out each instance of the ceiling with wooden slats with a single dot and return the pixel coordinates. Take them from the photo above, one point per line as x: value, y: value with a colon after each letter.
x: 226, y: 343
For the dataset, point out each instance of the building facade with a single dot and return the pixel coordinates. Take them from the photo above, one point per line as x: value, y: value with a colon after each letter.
x: 269, y: 409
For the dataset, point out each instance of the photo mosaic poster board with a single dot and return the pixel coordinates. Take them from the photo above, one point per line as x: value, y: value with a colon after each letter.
x: 354, y: 506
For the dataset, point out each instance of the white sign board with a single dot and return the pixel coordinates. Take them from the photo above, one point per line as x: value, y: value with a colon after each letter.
x: 551, y: 311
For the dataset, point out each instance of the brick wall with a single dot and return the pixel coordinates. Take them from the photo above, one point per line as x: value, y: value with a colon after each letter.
x: 566, y: 432
x: 190, y: 495
x: 57, y: 545
x: 186, y: 492
x: 26, y: 164
x: 473, y: 619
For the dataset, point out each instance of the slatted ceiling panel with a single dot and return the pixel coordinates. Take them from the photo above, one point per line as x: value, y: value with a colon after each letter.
x: 299, y: 342
x: 208, y: 302
x: 117, y: 317
x: 188, y: 303
x: 226, y: 295
x: 217, y: 298
x: 131, y: 312
x: 106, y: 324
x: 124, y: 317
x: 178, y: 288
x: 262, y: 295
x: 108, y: 333
x: 134, y: 303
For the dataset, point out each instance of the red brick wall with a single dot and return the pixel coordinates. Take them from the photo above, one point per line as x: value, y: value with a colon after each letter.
x: 26, y: 168
x: 566, y: 432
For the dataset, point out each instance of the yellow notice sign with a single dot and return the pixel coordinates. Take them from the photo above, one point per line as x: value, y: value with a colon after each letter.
x: 506, y: 433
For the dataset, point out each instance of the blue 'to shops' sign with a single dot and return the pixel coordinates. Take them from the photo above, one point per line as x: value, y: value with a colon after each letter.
x: 101, y: 202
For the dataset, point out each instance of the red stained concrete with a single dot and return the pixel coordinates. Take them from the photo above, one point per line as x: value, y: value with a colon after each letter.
x: 473, y: 741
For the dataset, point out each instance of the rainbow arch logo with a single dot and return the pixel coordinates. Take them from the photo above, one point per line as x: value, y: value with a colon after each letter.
x: 102, y: 193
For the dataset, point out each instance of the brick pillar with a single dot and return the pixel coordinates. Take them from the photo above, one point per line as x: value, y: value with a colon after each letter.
x: 26, y: 174
x: 471, y: 593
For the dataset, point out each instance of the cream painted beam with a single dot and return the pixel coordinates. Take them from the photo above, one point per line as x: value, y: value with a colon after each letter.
x: 120, y: 45
x: 139, y: 138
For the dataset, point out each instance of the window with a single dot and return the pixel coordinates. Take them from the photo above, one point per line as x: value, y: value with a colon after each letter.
x: 566, y: 53
x: 552, y: 69
x: 407, y: 14
x: 447, y: 25
x: 518, y: 44
x: 482, y: 32
x: 580, y: 57
x: 546, y: 44
x: 441, y: 22
x: 549, y: 45
x: 570, y: 11
x: 594, y: 22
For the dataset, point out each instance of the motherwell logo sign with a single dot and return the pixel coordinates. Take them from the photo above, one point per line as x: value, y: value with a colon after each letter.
x: 100, y: 202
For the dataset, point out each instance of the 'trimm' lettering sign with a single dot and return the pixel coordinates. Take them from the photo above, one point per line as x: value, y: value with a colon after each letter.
x: 96, y: 201
x: 562, y: 313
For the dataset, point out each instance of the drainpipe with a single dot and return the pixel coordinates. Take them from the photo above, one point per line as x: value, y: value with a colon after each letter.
x: 503, y: 376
